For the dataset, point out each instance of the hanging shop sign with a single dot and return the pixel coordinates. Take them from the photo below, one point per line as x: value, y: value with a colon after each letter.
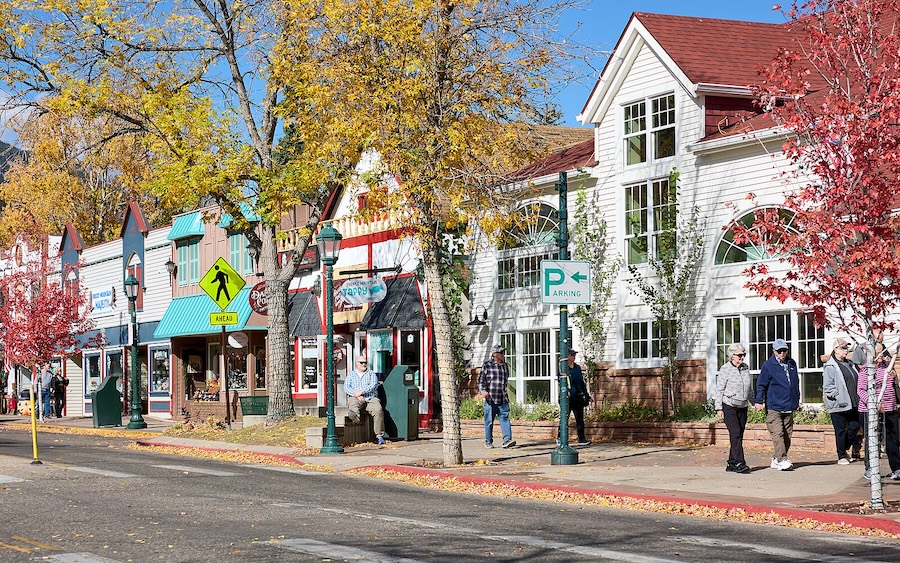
x: 367, y: 290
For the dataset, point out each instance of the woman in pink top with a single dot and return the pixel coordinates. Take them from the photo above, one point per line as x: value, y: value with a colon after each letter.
x: 886, y: 403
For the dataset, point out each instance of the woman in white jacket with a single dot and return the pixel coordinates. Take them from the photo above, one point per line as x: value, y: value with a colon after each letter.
x: 839, y: 382
x: 733, y: 386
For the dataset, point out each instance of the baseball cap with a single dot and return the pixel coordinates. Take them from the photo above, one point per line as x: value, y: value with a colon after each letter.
x: 839, y: 343
x: 498, y: 349
x: 572, y: 352
x: 779, y: 344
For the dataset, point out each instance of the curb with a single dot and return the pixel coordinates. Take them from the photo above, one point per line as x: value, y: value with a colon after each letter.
x: 283, y: 457
x: 857, y: 521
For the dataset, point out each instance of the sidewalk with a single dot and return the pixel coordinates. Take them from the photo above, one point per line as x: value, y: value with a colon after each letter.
x: 690, y: 475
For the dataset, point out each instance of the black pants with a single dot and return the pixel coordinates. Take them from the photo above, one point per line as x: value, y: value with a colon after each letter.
x: 735, y: 421
x: 891, y: 437
x: 578, y: 411
x: 846, y: 431
x: 59, y: 400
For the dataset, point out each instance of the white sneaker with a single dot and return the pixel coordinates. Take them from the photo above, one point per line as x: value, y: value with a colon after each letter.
x: 896, y: 475
x: 775, y: 464
x: 786, y: 464
x: 843, y: 461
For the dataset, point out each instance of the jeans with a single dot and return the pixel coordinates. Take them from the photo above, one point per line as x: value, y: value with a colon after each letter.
x: 780, y: 425
x: 502, y: 412
x: 735, y: 421
x: 846, y: 431
x: 45, y: 399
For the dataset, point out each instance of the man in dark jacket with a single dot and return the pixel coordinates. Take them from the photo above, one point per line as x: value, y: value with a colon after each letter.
x: 778, y: 392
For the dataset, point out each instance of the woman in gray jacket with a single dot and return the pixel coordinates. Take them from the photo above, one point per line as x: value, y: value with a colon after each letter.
x: 733, y: 394
x: 839, y: 380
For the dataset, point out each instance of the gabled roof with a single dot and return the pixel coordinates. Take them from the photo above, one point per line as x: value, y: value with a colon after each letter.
x: 134, y: 210
x: 70, y: 233
x: 714, y: 51
x: 716, y: 55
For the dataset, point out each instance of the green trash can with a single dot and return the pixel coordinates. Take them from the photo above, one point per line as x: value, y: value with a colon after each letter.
x: 401, y: 406
x: 106, y: 403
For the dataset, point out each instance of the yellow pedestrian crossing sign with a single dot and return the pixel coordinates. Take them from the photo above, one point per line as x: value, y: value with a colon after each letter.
x: 222, y: 283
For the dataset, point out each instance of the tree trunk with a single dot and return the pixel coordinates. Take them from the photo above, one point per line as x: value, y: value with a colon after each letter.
x: 440, y: 322
x: 278, y: 364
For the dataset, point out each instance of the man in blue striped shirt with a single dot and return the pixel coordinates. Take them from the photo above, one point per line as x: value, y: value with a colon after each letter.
x: 492, y: 382
x: 361, y: 387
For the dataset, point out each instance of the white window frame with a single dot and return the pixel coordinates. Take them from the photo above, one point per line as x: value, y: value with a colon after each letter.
x: 649, y: 118
x: 649, y: 211
x: 649, y: 341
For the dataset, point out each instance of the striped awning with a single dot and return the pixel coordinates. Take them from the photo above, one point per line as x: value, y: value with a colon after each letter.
x: 189, y: 316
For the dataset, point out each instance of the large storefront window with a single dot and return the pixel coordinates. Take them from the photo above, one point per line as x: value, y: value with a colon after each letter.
x: 309, y: 366
x: 92, y: 372
x: 259, y: 353
x: 237, y: 369
x: 159, y: 367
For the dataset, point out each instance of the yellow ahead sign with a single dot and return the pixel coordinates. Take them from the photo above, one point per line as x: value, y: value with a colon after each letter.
x: 222, y: 319
x: 222, y: 283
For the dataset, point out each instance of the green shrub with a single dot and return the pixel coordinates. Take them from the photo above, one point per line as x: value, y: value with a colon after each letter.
x: 806, y: 415
x: 517, y: 411
x: 632, y: 411
x: 695, y: 412
x: 471, y: 409
x: 543, y: 411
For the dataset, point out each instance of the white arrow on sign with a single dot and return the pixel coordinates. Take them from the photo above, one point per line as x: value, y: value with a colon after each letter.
x: 367, y: 290
x: 565, y: 282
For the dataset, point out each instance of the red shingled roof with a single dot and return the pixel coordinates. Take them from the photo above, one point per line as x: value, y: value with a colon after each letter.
x: 714, y: 51
x: 563, y: 160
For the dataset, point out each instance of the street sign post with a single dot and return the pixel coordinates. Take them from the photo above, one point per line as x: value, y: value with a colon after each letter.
x: 565, y: 282
x: 222, y: 283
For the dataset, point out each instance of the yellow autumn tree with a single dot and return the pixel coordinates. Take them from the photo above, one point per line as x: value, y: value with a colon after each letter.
x: 192, y: 80
x: 449, y: 88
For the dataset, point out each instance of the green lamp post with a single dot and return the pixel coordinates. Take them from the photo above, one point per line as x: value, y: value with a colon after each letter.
x: 329, y: 241
x: 137, y: 421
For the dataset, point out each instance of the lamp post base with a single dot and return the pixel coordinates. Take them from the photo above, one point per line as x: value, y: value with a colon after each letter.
x: 136, y: 423
x: 564, y: 455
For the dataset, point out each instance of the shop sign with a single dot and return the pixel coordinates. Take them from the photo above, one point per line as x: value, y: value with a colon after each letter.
x: 257, y: 298
x: 103, y: 302
x: 367, y: 290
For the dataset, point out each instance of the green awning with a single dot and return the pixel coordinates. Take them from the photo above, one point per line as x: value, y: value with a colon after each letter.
x: 190, y: 225
x: 188, y: 316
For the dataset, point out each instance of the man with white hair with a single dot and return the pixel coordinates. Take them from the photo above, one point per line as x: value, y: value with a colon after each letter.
x: 361, y: 387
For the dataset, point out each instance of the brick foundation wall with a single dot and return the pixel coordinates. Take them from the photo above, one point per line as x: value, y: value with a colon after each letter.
x: 645, y: 385
x: 812, y: 436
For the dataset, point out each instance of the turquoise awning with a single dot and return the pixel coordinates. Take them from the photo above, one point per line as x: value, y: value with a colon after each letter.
x: 189, y: 316
x: 248, y: 212
x: 190, y: 225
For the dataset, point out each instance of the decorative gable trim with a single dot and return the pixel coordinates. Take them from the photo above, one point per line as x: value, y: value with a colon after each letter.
x: 134, y: 211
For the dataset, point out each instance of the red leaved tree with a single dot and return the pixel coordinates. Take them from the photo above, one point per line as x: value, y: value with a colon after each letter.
x: 40, y: 319
x: 836, y: 88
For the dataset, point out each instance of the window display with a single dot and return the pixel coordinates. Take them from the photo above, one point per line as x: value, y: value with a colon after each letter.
x: 159, y: 365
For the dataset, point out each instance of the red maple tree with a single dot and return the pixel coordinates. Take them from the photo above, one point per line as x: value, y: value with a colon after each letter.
x: 836, y: 88
x: 40, y: 318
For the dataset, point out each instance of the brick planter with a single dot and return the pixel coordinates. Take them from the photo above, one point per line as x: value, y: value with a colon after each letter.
x: 815, y: 436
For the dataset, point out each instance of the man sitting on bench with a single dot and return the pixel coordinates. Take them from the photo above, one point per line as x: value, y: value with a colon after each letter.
x: 362, y: 393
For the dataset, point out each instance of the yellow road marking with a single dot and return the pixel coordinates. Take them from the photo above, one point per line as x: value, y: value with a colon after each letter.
x: 36, y: 543
x: 14, y: 547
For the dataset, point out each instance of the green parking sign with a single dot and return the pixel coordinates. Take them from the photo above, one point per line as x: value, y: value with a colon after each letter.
x: 565, y: 282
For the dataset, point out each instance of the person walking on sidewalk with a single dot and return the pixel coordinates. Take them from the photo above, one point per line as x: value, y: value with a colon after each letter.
x: 778, y: 392
x: 839, y: 383
x: 60, y: 382
x: 46, y: 382
x: 733, y: 388
x: 886, y: 403
x: 361, y: 387
x: 579, y: 397
x: 492, y: 383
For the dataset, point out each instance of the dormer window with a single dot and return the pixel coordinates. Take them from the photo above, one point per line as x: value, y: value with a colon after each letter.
x: 661, y: 130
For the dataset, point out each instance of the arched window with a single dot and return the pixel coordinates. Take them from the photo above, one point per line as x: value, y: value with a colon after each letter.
x: 730, y: 252
x: 534, y: 225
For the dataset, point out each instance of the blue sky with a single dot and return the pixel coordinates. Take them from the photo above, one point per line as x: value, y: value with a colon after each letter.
x: 603, y: 21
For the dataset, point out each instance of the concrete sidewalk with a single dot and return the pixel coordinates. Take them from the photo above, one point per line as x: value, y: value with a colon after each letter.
x: 659, y: 472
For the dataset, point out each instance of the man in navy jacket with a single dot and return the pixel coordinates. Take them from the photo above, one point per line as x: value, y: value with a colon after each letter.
x: 778, y: 391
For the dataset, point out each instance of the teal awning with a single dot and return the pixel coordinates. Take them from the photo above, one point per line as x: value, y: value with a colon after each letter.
x: 190, y: 225
x: 248, y: 212
x: 189, y: 316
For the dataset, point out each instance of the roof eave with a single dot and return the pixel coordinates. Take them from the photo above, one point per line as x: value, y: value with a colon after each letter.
x: 738, y: 140
x: 722, y: 89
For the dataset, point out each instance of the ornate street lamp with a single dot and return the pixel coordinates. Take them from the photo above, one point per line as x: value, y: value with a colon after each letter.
x: 137, y: 421
x: 329, y: 241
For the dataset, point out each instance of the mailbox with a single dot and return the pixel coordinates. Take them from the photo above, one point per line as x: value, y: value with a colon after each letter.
x: 106, y: 403
x: 401, y: 407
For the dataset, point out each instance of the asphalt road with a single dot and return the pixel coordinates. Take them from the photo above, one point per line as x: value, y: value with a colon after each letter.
x: 92, y: 500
